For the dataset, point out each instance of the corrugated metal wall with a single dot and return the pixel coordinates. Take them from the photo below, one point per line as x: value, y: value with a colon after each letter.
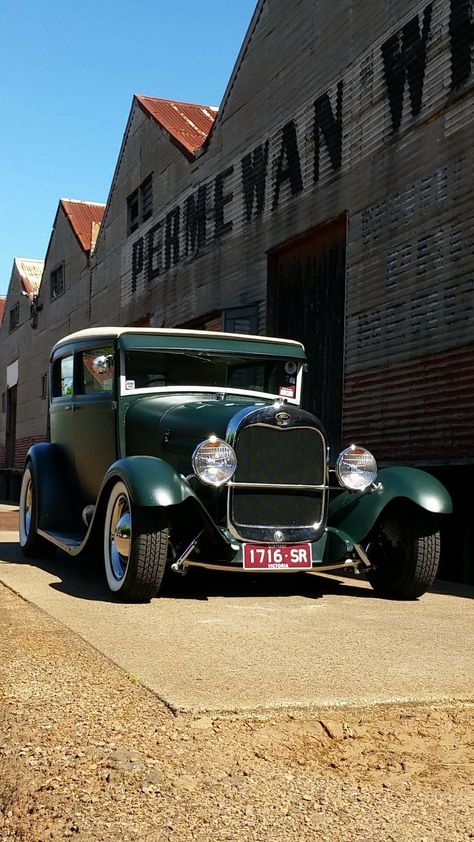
x: 410, y: 307
x: 380, y: 129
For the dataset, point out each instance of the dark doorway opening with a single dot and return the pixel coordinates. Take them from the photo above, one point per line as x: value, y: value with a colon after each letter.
x: 306, y: 302
x: 10, y: 433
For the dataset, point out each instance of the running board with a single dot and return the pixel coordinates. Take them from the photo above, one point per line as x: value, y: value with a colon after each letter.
x: 71, y: 544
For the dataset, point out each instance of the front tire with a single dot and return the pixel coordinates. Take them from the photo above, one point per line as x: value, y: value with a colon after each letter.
x: 32, y: 545
x: 405, y: 564
x: 135, y: 551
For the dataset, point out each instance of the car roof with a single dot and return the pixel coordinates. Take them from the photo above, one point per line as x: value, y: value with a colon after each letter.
x: 115, y: 332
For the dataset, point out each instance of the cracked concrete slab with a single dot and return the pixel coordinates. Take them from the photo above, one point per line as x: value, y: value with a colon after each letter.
x: 234, y: 642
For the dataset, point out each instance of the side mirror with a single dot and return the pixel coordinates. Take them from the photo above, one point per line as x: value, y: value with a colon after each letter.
x: 102, y: 364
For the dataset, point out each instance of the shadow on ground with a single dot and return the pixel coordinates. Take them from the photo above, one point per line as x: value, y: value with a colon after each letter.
x: 84, y: 579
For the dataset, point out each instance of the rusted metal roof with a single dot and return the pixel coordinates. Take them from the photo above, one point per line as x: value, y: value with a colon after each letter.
x: 85, y: 219
x: 30, y: 273
x: 187, y: 124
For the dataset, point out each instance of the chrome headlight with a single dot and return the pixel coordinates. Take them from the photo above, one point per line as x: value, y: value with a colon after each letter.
x: 356, y: 468
x: 214, y: 461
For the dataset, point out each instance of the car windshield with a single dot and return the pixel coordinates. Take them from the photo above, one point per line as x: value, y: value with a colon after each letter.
x: 159, y: 369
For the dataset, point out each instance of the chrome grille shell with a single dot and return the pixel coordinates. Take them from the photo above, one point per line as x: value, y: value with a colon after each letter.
x: 281, y: 479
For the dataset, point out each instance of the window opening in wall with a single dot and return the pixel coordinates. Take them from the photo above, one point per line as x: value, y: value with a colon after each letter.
x: 241, y: 319
x: 210, y: 321
x: 57, y: 282
x: 44, y: 387
x: 140, y: 205
x: 15, y: 316
x: 10, y: 431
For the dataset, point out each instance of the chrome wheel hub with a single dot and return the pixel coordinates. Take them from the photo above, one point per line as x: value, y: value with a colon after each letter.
x: 28, y: 508
x: 120, y: 537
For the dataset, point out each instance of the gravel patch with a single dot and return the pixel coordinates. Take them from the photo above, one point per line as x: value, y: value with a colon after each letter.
x: 86, y: 752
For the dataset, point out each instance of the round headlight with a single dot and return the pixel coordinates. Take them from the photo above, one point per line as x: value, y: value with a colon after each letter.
x: 214, y: 461
x: 356, y: 468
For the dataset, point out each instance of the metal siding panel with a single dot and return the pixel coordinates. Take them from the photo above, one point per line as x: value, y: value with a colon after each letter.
x: 419, y: 411
x: 408, y: 192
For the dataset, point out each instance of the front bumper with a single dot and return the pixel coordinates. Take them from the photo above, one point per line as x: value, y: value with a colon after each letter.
x: 333, y: 550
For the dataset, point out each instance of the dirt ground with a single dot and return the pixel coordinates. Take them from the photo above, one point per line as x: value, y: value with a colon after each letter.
x: 86, y: 752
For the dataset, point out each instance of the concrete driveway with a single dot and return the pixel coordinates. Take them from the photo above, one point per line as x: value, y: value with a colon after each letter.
x: 234, y: 642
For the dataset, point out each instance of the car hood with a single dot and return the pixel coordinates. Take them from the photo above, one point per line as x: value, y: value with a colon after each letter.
x: 171, y: 426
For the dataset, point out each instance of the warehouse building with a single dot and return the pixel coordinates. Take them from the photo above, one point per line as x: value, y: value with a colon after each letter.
x: 330, y: 200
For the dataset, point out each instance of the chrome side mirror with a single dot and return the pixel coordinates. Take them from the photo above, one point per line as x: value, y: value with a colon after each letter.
x: 102, y: 364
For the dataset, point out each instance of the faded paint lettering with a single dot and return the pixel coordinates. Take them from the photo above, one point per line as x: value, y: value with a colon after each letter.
x: 254, y: 180
x: 330, y: 127
x: 404, y: 57
x: 221, y: 199
x: 288, y: 166
x: 195, y: 221
x: 461, y: 30
x: 338, y: 129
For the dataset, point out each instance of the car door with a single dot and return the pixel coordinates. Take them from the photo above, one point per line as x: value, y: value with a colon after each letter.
x: 94, y: 417
x: 61, y: 411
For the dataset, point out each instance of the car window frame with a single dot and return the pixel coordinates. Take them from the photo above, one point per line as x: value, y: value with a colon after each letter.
x: 102, y: 394
x: 56, y: 362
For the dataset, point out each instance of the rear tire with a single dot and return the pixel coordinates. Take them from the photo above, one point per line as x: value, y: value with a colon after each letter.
x: 32, y: 545
x: 405, y: 565
x: 135, y: 551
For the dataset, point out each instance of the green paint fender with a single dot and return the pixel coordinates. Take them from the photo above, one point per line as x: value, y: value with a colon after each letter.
x: 151, y: 481
x: 355, y: 513
x: 57, y: 507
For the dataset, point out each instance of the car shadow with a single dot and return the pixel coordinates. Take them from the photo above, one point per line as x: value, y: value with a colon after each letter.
x: 452, y: 589
x: 83, y: 578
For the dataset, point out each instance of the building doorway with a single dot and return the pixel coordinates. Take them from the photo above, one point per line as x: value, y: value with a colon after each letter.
x: 10, y: 433
x: 306, y: 302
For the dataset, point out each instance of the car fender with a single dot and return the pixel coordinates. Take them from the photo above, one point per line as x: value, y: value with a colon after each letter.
x: 153, y: 482
x: 150, y: 481
x: 355, y: 513
x: 52, y: 486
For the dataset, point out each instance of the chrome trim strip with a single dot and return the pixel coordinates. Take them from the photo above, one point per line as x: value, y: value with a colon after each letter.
x: 204, y: 390
x: 237, y: 569
x: 318, y: 567
x: 276, y: 485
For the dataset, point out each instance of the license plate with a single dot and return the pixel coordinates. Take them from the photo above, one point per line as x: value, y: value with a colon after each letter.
x: 279, y: 557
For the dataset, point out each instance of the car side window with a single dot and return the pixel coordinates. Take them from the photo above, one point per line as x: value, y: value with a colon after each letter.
x: 97, y: 370
x: 63, y: 376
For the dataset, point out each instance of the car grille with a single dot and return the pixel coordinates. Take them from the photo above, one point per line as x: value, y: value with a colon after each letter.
x: 278, y: 484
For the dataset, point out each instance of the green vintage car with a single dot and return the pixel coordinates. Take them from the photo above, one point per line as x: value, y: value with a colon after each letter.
x: 180, y: 448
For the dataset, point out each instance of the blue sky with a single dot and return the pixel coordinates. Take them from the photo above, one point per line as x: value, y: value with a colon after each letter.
x: 68, y: 73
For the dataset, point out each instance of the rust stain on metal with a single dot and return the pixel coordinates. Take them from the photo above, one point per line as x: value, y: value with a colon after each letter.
x: 187, y: 124
x: 85, y: 219
x: 420, y: 410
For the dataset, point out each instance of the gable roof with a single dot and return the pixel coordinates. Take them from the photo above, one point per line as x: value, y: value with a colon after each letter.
x: 259, y: 9
x: 85, y: 219
x: 30, y: 273
x: 187, y: 124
